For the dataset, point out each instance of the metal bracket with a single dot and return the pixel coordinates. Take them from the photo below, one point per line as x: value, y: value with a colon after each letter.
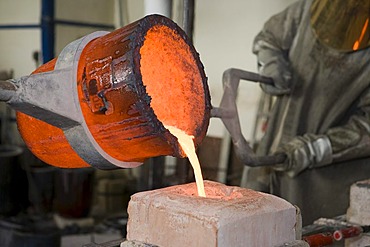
x: 52, y: 97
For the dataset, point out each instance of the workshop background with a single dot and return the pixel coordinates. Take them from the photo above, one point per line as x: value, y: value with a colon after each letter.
x: 32, y: 32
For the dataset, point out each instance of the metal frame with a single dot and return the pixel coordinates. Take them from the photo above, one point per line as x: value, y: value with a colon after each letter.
x: 47, y: 25
x: 228, y: 113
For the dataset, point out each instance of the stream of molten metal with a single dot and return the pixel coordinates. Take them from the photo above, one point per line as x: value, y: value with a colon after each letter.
x: 187, y: 144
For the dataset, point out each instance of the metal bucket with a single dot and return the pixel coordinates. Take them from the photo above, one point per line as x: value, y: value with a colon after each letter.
x: 13, y: 181
x: 74, y: 192
x: 41, y: 180
x: 41, y: 188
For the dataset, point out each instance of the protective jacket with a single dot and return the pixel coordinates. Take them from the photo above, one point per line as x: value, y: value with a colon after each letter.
x: 325, y: 95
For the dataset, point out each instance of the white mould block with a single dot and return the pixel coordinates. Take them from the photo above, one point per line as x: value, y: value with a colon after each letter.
x: 229, y: 216
x: 359, y: 203
x: 359, y: 211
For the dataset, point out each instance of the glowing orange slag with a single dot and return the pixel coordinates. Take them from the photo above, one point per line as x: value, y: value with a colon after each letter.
x: 173, y: 81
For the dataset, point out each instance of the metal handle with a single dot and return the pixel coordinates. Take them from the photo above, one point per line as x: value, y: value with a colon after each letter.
x: 228, y: 113
x: 7, y: 90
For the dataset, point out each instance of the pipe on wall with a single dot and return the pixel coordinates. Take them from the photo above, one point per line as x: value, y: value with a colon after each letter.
x: 163, y: 7
x: 188, y: 18
x: 47, y: 30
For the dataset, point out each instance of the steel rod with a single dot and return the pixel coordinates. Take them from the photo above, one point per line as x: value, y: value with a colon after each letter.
x: 7, y: 90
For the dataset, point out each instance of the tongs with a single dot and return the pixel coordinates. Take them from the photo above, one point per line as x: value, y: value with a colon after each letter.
x: 228, y: 113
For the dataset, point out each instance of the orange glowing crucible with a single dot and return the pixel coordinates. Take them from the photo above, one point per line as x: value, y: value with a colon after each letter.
x: 127, y: 83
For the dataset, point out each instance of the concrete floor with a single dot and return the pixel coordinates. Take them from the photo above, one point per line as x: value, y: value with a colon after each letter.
x: 85, y: 239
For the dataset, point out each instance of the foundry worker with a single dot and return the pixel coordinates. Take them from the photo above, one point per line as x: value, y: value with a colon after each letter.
x: 317, y: 53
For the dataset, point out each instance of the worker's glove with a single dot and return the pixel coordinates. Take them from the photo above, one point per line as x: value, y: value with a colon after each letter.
x: 279, y: 70
x: 304, y: 152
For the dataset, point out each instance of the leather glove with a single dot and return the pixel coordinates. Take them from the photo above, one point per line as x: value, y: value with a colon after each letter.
x: 304, y: 152
x: 278, y: 69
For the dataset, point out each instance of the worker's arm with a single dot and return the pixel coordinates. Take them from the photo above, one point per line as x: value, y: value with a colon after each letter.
x: 346, y: 142
x: 272, y: 47
x: 352, y: 140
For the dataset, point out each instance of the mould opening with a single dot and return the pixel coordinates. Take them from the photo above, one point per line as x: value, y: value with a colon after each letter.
x: 213, y: 191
